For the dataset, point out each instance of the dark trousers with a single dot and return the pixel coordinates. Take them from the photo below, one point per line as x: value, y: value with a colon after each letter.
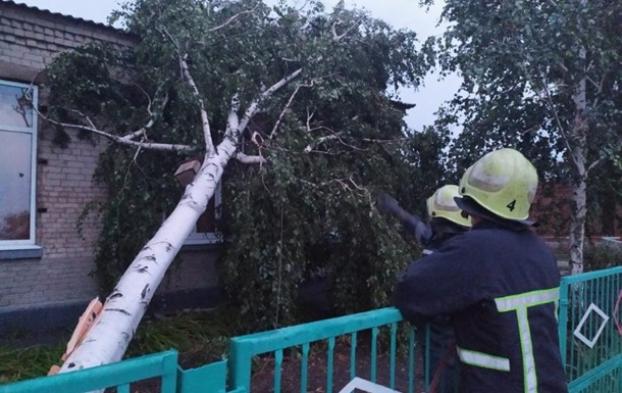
x: 444, y: 372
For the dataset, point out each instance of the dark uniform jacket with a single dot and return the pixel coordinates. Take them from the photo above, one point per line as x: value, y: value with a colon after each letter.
x: 501, y: 287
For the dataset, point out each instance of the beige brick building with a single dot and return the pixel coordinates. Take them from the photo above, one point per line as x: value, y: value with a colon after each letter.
x: 44, y: 261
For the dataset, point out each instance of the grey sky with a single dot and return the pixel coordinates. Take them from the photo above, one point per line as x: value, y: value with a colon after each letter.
x: 399, y: 13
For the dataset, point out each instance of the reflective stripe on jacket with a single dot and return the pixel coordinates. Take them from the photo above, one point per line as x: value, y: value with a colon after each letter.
x: 500, y: 287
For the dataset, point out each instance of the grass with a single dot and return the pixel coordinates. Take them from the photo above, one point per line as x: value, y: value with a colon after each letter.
x: 200, y: 337
x: 29, y: 362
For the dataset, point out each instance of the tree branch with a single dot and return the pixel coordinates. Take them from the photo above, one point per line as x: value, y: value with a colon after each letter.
x: 254, y: 106
x: 231, y: 20
x: 246, y: 159
x: 165, y: 31
x: 337, y: 37
x: 599, y: 89
x: 152, y: 118
x: 320, y: 140
x: 553, y: 109
x: 119, y: 139
x: 233, y: 120
x: 139, y: 132
x: 285, y: 108
x: 549, y: 99
x: 187, y: 76
x: 309, y: 118
x: 595, y: 164
x: 207, y: 134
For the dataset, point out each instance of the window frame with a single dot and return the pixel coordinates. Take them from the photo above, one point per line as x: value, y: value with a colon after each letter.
x: 206, y: 238
x: 32, y: 131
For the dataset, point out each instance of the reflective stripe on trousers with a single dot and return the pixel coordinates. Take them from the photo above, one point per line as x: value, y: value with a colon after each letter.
x: 479, y: 359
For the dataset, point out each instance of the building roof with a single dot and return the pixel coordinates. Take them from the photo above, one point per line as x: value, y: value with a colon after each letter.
x: 49, y: 13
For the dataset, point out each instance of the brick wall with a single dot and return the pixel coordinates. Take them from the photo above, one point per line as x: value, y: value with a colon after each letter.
x: 64, y: 188
x: 553, y: 211
x: 29, y: 39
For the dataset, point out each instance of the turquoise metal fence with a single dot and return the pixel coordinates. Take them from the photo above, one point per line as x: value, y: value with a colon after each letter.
x: 590, y: 333
x: 161, y: 366
x: 363, y: 334
x: 297, y: 341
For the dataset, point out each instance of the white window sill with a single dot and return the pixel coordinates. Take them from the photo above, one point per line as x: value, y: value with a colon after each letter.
x: 20, y: 252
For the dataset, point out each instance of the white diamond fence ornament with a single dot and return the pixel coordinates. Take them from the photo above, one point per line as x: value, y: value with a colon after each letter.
x: 364, y: 385
x: 577, y: 332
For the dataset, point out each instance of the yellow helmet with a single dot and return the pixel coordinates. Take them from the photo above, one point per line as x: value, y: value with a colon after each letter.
x: 503, y: 182
x: 442, y: 205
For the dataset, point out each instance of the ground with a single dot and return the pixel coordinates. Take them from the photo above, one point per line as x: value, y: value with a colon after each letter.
x: 199, y: 336
x: 263, y: 375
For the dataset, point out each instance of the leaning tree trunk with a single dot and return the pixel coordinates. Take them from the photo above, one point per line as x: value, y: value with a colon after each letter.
x: 108, y: 339
x: 114, y: 328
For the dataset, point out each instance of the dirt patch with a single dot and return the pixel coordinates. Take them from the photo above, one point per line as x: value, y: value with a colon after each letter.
x: 317, y: 379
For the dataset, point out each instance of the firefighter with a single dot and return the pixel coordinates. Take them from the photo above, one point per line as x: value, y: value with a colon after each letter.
x: 498, y: 282
x: 445, y: 220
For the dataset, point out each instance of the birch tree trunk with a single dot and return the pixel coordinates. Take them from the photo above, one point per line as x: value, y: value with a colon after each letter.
x: 579, y: 198
x: 107, y: 341
x: 577, y: 225
x: 579, y: 202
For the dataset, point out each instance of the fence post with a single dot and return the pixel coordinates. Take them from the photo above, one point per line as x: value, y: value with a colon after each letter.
x: 169, y: 373
x: 240, y: 366
x: 562, y: 326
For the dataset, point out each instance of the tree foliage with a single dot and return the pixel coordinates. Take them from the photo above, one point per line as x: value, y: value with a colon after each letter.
x: 331, y: 139
x: 543, y: 77
x: 521, y: 63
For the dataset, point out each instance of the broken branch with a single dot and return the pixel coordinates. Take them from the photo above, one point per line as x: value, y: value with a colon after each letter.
x: 246, y: 159
x: 119, y: 139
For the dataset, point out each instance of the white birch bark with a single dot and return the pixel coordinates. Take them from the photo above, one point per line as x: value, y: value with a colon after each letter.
x: 123, y: 310
x: 579, y: 202
x: 107, y: 340
x: 579, y: 197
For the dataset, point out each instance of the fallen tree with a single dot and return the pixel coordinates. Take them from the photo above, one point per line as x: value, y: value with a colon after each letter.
x: 238, y: 65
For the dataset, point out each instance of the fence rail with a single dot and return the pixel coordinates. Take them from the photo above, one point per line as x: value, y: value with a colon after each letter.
x: 162, y: 366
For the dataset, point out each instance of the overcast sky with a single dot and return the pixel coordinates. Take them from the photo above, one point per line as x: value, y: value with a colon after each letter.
x: 399, y: 13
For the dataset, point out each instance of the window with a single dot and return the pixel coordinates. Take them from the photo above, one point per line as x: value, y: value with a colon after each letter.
x: 18, y: 146
x: 206, y: 231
